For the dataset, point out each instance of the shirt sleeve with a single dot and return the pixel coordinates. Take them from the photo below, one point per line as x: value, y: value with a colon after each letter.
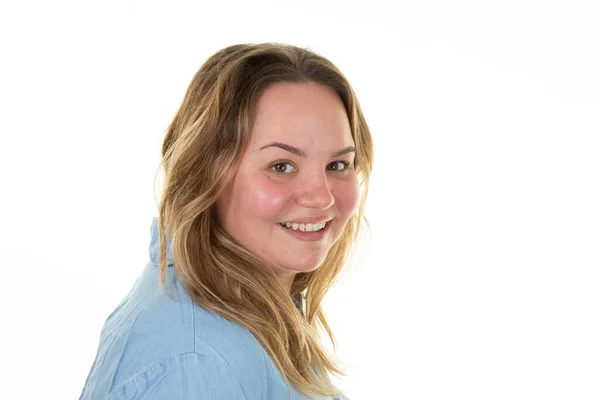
x: 188, y: 376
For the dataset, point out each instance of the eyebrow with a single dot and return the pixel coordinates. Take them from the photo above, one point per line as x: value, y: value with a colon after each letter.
x: 300, y: 153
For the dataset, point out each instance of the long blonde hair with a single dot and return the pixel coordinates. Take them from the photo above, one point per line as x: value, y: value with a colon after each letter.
x: 200, y: 155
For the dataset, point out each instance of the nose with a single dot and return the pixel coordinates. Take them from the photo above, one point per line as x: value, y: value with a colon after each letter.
x: 315, y: 192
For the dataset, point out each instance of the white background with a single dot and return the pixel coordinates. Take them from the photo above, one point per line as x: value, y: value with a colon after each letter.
x: 481, y: 277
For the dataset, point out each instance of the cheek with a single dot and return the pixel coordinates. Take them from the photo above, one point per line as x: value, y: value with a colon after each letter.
x: 347, y: 197
x: 260, y: 198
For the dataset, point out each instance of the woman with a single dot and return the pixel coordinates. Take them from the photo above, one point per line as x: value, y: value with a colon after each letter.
x: 266, y: 166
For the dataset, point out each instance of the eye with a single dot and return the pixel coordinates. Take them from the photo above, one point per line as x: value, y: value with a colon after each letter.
x: 338, y: 166
x: 282, y: 167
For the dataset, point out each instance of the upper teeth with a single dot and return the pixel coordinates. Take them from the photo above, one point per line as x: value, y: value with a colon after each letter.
x: 305, y: 227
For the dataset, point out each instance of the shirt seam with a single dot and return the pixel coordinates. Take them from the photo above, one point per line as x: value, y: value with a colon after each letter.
x: 113, y: 338
x: 122, y: 387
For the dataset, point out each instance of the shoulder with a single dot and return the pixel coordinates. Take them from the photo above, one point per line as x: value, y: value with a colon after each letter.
x: 151, y: 332
x: 185, y: 376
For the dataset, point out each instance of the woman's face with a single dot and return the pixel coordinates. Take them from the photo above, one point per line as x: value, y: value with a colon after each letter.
x: 297, y: 171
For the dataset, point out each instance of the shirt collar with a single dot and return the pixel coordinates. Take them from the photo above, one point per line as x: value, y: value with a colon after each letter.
x: 155, y: 245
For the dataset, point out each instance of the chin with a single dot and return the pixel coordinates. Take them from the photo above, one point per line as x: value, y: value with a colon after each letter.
x: 305, y: 266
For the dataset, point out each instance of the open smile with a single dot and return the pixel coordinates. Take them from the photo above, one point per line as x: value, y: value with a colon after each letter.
x: 308, y: 236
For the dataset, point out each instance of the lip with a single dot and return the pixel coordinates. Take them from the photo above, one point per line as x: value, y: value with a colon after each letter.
x: 309, y: 220
x: 308, y: 236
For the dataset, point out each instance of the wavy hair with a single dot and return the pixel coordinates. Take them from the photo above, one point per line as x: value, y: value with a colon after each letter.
x: 201, y: 152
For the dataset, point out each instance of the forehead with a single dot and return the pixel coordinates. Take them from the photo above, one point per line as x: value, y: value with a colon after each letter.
x: 303, y: 114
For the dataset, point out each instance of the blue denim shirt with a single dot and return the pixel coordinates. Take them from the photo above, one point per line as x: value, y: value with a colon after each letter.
x: 160, y: 346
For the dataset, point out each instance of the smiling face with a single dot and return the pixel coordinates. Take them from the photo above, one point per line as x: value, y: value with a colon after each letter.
x: 297, y: 169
